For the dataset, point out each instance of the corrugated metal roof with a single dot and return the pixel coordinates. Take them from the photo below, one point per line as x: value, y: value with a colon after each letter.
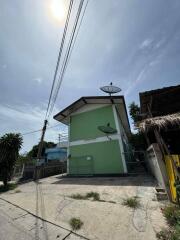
x: 65, y: 113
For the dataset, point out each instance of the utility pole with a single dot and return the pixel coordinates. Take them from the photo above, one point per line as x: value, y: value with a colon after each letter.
x: 37, y: 170
x: 41, y: 141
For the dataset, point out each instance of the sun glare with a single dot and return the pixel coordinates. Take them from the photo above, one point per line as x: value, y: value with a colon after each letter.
x: 58, y: 10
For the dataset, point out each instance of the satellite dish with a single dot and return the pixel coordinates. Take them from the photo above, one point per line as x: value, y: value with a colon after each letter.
x: 110, y: 89
x: 107, y: 129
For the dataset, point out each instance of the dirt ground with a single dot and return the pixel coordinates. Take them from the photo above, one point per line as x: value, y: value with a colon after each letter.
x: 51, y: 200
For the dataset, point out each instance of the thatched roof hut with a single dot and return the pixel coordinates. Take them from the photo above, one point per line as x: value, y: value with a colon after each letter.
x: 160, y: 109
x: 160, y: 122
x: 162, y: 101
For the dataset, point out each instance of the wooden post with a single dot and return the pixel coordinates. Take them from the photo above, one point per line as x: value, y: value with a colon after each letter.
x: 163, y: 146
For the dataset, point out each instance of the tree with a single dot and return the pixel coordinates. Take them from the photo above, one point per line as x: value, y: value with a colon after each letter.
x: 138, y: 140
x: 134, y: 111
x: 10, y: 145
x: 33, y: 152
x: 22, y: 159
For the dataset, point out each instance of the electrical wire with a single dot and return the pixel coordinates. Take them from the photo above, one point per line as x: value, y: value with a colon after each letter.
x: 26, y: 133
x: 66, y: 57
x: 78, y: 30
x: 68, y: 52
x: 60, y: 53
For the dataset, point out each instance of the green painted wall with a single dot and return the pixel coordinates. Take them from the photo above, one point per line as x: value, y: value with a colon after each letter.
x: 84, y: 125
x: 104, y: 158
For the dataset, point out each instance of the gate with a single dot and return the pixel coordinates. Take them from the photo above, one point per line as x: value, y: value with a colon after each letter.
x: 136, y: 161
x: 81, y: 165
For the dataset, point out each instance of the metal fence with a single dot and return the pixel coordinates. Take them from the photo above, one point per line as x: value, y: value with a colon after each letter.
x: 45, y: 170
x: 136, y: 161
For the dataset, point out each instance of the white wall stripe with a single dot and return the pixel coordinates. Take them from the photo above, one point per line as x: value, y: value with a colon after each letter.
x: 95, y: 140
x: 120, y: 138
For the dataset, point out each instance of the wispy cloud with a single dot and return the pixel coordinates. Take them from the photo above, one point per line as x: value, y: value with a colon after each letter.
x: 26, y: 118
x: 146, y: 43
x: 38, y: 80
x: 140, y: 77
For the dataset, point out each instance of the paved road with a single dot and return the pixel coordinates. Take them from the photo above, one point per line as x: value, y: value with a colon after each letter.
x: 17, y: 224
x: 12, y: 231
x: 105, y: 220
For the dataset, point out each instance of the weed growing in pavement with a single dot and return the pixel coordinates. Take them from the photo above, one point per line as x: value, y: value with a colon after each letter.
x: 17, y: 191
x: 132, y: 202
x: 78, y: 196
x: 75, y: 223
x: 89, y: 196
x: 94, y: 195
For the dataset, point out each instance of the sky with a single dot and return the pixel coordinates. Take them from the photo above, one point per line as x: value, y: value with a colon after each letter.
x: 133, y: 43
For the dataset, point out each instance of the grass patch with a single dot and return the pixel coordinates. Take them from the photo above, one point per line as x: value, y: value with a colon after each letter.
x: 75, y: 223
x: 172, y: 215
x: 10, y: 186
x: 132, y: 202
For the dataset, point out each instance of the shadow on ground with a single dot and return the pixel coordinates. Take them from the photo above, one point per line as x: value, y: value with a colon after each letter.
x: 145, y: 180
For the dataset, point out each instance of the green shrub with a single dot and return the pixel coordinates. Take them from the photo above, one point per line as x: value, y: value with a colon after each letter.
x: 165, y: 234
x: 9, y: 186
x: 172, y: 214
x: 75, y: 223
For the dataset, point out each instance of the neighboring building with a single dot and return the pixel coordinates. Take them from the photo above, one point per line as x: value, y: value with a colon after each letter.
x: 55, y: 154
x: 160, y: 109
x: 93, y: 150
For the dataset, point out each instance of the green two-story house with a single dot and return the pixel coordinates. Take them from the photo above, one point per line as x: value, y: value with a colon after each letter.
x: 98, y: 135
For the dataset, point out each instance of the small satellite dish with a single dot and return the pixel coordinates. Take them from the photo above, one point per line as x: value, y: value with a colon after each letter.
x: 107, y: 129
x: 110, y: 89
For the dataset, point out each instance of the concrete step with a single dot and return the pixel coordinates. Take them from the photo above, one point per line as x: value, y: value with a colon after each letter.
x: 160, y: 190
x: 161, y: 196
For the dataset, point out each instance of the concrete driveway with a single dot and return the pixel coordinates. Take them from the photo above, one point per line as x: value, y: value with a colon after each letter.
x: 50, y: 199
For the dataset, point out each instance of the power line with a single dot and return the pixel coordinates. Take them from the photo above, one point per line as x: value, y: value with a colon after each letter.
x: 68, y: 51
x: 63, y: 68
x: 60, y: 53
x: 39, y: 130
x: 78, y: 29
x: 62, y: 72
x: 54, y: 79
